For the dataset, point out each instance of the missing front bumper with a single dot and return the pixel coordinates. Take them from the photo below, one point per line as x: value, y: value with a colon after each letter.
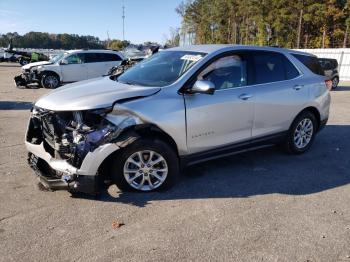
x: 25, y: 79
x: 85, y: 179
x: 20, y: 81
x: 71, y: 183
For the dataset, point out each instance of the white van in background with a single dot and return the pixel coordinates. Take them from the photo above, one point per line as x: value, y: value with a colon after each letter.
x: 70, y: 66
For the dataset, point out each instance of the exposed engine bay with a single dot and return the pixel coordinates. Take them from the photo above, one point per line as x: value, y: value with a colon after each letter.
x: 68, y: 137
x: 28, y: 76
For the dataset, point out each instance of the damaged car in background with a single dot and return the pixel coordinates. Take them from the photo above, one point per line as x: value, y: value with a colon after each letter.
x: 133, y: 56
x: 70, y: 66
x: 176, y: 108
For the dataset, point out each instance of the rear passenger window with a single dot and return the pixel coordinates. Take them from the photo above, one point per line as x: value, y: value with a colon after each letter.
x: 311, y: 62
x: 109, y: 57
x: 101, y: 57
x: 291, y: 71
x: 272, y: 67
x: 92, y: 58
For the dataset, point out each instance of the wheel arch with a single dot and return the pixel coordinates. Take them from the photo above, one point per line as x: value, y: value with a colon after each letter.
x: 51, y: 72
x: 132, y: 133
x: 314, y: 111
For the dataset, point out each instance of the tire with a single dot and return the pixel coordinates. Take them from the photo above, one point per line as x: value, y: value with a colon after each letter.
x: 23, y: 62
x: 49, y: 80
x: 163, y: 154
x: 295, y: 145
x: 335, y: 82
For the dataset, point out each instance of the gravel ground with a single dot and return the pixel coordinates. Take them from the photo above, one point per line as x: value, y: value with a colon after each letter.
x: 257, y: 206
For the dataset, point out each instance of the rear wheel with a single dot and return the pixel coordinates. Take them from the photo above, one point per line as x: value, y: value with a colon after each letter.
x: 335, y: 82
x: 302, y: 133
x: 49, y: 80
x: 145, y: 165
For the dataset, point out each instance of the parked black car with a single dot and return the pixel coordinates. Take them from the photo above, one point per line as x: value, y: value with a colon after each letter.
x: 330, y: 67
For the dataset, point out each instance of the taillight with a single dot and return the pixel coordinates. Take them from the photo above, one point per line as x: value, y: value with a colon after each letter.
x: 328, y: 84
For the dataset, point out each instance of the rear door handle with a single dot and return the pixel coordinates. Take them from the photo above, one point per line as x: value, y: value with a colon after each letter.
x: 245, y: 96
x: 297, y: 87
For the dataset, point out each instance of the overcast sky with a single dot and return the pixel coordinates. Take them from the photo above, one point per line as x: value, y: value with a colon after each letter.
x: 146, y: 20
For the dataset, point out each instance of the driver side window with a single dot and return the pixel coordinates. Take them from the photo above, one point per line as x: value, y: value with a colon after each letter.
x: 226, y: 72
x: 74, y: 59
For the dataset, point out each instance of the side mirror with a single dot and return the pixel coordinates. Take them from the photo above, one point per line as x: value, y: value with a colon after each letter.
x: 202, y: 87
x: 64, y: 62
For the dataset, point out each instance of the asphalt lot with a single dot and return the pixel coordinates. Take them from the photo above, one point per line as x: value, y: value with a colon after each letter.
x: 257, y: 206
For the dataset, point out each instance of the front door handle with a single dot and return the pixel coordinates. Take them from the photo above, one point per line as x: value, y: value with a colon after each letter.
x: 245, y: 96
x: 297, y: 87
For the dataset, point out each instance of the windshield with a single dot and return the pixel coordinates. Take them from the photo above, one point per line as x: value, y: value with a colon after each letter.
x: 56, y: 58
x: 161, y: 69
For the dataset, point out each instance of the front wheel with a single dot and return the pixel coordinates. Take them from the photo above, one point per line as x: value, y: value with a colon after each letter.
x: 49, y: 80
x: 23, y: 62
x: 145, y: 165
x: 301, y: 134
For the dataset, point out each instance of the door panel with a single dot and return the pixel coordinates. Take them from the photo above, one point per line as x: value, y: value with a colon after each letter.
x: 75, y: 70
x: 226, y: 117
x: 99, y: 64
x: 218, y: 120
x: 96, y: 69
x: 276, y: 105
x: 279, y: 93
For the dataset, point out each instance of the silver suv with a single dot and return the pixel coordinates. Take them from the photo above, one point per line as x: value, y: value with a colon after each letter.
x: 179, y: 107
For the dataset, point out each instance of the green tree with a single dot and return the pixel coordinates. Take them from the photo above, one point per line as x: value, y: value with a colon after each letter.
x: 286, y: 23
x: 118, y: 44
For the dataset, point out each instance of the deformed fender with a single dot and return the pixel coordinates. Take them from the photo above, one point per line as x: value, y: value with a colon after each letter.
x: 94, y: 159
x: 51, y: 71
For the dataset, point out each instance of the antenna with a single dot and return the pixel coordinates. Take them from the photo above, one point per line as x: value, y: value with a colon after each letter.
x: 123, y: 16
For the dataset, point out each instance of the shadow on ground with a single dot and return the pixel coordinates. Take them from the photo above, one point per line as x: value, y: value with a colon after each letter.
x: 29, y: 86
x: 266, y: 171
x: 15, y: 105
x: 341, y: 88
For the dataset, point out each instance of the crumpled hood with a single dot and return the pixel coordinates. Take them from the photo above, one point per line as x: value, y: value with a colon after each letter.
x: 30, y: 65
x: 91, y: 94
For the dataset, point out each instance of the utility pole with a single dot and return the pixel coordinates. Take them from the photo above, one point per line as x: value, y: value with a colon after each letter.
x: 299, y: 27
x: 346, y: 35
x: 123, y: 16
x: 108, y: 40
x: 324, y: 37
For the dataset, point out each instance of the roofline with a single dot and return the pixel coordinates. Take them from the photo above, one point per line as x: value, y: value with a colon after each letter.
x: 227, y: 47
x: 93, y: 50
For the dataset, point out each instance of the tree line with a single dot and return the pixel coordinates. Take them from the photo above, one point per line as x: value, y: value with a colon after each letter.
x: 286, y: 23
x: 51, y: 41
x: 62, y: 41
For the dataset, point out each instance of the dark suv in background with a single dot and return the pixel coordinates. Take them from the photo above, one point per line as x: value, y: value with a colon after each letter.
x: 330, y: 67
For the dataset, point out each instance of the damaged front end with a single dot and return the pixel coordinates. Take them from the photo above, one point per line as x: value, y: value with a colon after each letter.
x: 28, y: 76
x: 67, y: 148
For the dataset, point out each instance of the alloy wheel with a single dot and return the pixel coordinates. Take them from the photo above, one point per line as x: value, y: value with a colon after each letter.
x: 145, y: 170
x: 303, y: 133
x: 51, y: 81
